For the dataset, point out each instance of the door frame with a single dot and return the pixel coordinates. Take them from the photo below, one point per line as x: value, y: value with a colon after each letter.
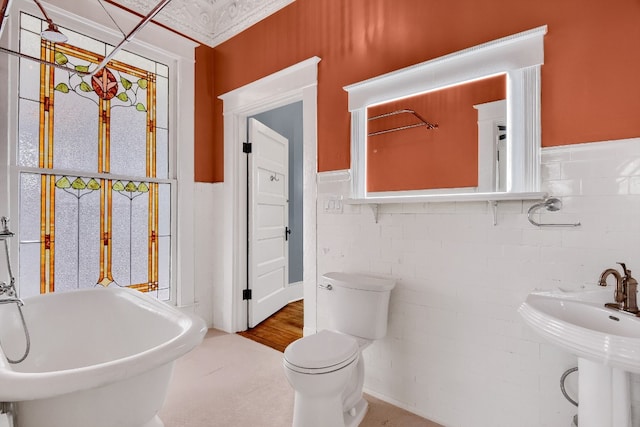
x: 298, y: 82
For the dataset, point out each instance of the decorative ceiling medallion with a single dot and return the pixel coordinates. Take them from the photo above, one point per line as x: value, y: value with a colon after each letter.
x: 209, y: 21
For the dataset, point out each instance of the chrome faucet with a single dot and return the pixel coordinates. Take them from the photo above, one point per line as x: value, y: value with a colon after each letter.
x: 12, y: 301
x: 10, y: 291
x: 626, y: 290
x: 4, y: 228
x: 11, y: 297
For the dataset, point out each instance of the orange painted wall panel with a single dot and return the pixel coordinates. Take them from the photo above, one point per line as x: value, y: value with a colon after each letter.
x: 206, y: 150
x: 423, y: 159
x: 590, y: 84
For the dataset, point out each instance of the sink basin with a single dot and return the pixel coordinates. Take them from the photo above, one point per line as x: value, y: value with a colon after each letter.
x: 579, y: 323
x: 606, y: 342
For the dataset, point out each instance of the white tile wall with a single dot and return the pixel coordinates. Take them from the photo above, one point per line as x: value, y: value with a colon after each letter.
x: 457, y: 351
x: 208, y: 252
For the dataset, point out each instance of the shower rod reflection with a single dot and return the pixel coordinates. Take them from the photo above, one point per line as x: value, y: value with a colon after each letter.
x: 403, y: 111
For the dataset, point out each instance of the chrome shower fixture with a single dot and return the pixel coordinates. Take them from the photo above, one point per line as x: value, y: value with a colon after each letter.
x: 552, y: 204
x: 158, y: 7
x: 52, y: 33
x: 4, y: 228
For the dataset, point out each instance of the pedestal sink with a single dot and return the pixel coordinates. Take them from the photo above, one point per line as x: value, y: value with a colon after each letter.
x: 606, y: 342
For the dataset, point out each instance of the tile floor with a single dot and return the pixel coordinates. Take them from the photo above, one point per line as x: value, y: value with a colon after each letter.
x: 230, y: 381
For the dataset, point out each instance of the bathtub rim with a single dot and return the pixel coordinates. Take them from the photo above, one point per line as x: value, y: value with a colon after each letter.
x: 19, y: 386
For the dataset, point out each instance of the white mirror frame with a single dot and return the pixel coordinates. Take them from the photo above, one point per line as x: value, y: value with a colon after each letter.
x: 519, y: 56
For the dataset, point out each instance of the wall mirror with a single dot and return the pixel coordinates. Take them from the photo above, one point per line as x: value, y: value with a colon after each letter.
x: 465, y: 123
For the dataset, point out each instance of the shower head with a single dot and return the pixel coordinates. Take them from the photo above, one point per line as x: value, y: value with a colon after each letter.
x: 52, y: 33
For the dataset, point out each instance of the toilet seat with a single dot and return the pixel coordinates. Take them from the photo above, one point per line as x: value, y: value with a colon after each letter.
x: 321, y: 353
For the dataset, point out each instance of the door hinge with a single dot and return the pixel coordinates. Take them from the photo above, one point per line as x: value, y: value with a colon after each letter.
x: 246, y: 294
x: 246, y: 147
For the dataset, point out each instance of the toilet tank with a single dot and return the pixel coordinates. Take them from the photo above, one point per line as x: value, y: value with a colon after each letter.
x: 358, y: 304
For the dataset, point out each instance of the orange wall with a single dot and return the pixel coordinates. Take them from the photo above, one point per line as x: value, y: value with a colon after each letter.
x: 205, y: 150
x: 421, y: 159
x: 590, y: 80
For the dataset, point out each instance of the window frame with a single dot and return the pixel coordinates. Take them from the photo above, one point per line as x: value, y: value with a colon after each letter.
x: 180, y: 168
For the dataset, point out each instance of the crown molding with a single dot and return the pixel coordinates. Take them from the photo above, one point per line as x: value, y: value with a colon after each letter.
x: 209, y: 21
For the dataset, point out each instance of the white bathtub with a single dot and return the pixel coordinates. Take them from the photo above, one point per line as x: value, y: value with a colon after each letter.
x: 99, y: 357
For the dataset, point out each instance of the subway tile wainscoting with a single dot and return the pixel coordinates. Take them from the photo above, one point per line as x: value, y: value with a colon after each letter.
x: 457, y: 351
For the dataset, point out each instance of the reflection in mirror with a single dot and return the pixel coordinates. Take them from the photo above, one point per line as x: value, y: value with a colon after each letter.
x: 492, y: 146
x: 470, y: 124
x: 436, y: 146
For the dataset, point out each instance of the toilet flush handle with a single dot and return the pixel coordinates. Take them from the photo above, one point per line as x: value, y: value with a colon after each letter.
x: 327, y: 286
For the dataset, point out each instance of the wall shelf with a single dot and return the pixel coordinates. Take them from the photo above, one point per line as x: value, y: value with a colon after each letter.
x: 491, y: 198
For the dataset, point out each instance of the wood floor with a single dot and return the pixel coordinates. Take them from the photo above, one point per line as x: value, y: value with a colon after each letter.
x: 281, y: 329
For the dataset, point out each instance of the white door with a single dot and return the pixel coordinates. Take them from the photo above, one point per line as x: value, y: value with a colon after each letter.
x: 268, y: 221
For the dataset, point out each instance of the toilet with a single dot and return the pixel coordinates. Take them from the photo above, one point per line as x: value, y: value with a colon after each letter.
x: 326, y: 370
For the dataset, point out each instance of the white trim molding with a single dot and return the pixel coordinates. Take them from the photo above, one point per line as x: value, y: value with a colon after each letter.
x: 210, y: 21
x: 518, y: 56
x: 295, y: 83
x: 334, y: 176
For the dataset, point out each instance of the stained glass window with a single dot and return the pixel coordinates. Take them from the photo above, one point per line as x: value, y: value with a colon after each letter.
x: 93, y: 155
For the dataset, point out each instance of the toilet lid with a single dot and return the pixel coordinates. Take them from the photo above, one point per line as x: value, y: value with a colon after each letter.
x: 323, y: 350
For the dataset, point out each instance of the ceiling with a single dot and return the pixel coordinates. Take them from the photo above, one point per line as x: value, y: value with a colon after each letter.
x: 208, y: 21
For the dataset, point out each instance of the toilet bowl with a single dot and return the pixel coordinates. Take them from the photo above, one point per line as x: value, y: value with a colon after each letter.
x: 326, y: 370
x: 319, y: 368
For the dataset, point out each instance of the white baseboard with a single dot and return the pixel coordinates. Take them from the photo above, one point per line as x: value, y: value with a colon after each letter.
x: 296, y: 291
x: 404, y: 406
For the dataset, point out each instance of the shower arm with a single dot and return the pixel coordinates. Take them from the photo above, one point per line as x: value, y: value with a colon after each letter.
x: 4, y: 9
x: 44, y: 13
x: 4, y: 13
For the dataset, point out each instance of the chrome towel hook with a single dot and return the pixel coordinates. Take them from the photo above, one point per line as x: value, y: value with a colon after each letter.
x: 552, y: 204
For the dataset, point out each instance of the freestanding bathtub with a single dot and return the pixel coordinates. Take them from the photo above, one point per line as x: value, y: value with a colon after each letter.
x: 99, y: 357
